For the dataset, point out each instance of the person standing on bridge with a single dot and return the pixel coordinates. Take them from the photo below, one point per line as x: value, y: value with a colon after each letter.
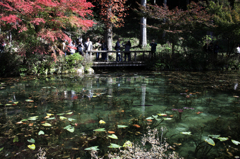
x: 153, y: 45
x: 88, y: 46
x: 104, y: 47
x: 117, y: 48
x: 127, y: 51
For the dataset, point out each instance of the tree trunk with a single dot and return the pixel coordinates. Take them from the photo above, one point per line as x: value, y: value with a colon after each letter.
x: 109, y: 37
x: 143, y: 28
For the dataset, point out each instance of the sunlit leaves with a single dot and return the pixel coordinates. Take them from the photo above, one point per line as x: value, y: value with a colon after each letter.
x: 1, y: 149
x: 15, y: 139
x: 41, y: 132
x: 93, y: 148
x: 69, y: 128
x: 33, y: 118
x: 32, y: 147
x: 122, y: 126
x: 100, y: 129
x: 114, y: 146
x: 235, y: 142
x: 210, y: 141
x: 186, y: 133
x: 113, y: 136
x: 46, y: 124
x: 31, y: 141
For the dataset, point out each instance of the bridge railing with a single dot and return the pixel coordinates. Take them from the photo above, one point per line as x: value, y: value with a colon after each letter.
x: 144, y: 53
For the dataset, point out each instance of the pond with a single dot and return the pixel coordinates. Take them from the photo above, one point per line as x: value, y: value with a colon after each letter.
x: 196, y: 113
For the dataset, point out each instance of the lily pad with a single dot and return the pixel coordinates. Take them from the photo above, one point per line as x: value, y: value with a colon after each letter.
x: 31, y: 141
x: 149, y: 118
x: 167, y: 118
x: 210, y: 141
x: 15, y: 139
x: 46, y: 124
x: 235, y: 142
x: 61, y: 114
x: 114, y: 146
x: 162, y: 114
x: 102, y: 122
x: 41, y: 132
x: 49, y: 114
x: 32, y: 147
x: 113, y: 136
x: 24, y: 120
x: 93, y: 148
x: 62, y: 118
x: 69, y: 113
x: 223, y: 138
x: 71, y: 119
x: 109, y: 96
x: 52, y: 118
x: 29, y: 100
x: 122, y: 126
x: 100, y: 129
x: 186, y: 133
x: 69, y: 128
x: 33, y: 118
x: 214, y: 136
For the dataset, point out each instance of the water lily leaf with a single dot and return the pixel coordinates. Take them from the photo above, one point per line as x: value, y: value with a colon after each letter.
x: 102, y: 122
x: 49, y: 114
x: 210, y: 141
x: 46, y: 124
x: 186, y: 133
x: 52, y: 118
x: 122, y: 126
x: 114, y: 146
x: 41, y: 132
x: 15, y: 102
x: 149, y: 118
x: 71, y: 119
x: 113, y: 136
x: 109, y: 96
x: 1, y: 149
x: 167, y: 118
x: 31, y: 141
x: 32, y: 147
x: 214, y: 136
x: 162, y: 114
x: 24, y: 120
x: 93, y: 148
x: 62, y: 118
x: 8, y: 104
x: 156, y: 117
x: 69, y: 128
x: 127, y: 144
x: 29, y: 100
x: 33, y: 118
x: 100, y: 129
x: 15, y: 139
x: 69, y: 113
x: 61, y: 114
x: 235, y: 142
x: 223, y: 138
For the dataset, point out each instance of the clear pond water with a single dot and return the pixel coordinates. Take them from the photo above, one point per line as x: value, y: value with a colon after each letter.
x: 60, y: 113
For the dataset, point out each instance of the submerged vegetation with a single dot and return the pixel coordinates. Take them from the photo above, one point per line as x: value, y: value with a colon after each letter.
x: 69, y: 116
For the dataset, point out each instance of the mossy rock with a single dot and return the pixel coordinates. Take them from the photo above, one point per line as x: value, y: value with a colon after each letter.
x: 89, y: 70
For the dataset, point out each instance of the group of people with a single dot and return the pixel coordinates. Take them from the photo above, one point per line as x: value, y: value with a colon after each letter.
x: 86, y: 47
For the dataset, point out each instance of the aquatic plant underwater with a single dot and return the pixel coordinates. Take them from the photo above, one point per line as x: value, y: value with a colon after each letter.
x: 68, y: 116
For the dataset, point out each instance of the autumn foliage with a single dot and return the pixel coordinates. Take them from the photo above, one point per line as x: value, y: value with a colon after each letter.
x: 43, y: 19
x: 112, y: 12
